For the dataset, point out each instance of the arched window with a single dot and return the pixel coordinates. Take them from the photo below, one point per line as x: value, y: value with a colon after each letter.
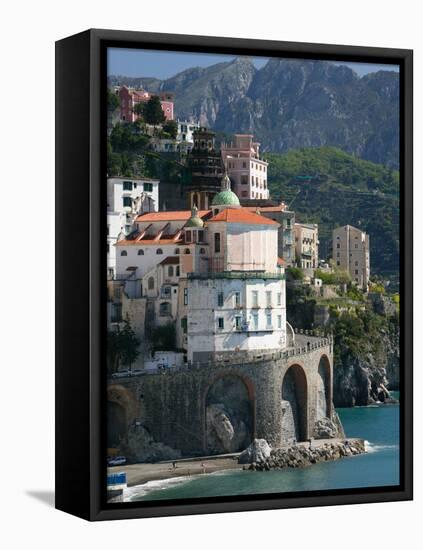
x: 150, y: 283
x: 202, y: 250
x: 187, y: 251
x: 170, y: 271
x: 123, y: 253
x: 140, y: 252
x: 159, y: 251
x: 177, y: 251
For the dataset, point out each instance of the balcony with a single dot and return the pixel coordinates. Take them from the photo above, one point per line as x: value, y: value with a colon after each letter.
x: 236, y: 275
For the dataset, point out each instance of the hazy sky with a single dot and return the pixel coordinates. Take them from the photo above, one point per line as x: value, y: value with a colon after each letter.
x: 162, y: 65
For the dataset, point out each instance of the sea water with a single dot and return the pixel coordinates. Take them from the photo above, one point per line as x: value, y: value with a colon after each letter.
x: 379, y: 466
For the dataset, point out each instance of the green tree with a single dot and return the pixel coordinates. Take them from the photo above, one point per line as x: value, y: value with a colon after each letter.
x: 122, y: 347
x: 164, y: 338
x: 113, y: 101
x: 139, y: 109
x: 153, y: 112
x: 171, y: 128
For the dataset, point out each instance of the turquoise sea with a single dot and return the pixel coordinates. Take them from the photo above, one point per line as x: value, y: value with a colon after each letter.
x: 377, y: 424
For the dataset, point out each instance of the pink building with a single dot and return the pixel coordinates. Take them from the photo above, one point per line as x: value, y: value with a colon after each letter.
x: 248, y: 172
x: 129, y: 97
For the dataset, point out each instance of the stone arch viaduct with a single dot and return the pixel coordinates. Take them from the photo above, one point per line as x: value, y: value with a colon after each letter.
x: 286, y: 393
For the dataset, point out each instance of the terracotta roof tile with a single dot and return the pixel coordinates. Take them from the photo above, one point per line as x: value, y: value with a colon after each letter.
x: 241, y: 215
x: 169, y: 216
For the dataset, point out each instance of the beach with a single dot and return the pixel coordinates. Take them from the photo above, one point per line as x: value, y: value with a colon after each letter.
x: 137, y: 474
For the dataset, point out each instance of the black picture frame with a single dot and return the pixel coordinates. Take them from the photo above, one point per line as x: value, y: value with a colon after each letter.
x: 81, y: 285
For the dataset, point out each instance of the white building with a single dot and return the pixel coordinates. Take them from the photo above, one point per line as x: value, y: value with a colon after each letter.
x: 186, y: 131
x: 127, y: 198
x: 248, y: 172
x: 214, y: 273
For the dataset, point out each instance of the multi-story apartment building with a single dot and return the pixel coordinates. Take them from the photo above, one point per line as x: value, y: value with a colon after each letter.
x: 307, y: 245
x: 351, y: 252
x: 248, y: 172
x: 130, y: 97
x: 127, y: 198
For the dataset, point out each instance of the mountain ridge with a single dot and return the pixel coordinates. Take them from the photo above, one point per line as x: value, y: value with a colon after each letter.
x: 290, y: 104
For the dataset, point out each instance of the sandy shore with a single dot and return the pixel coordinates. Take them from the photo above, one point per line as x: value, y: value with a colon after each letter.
x: 136, y: 474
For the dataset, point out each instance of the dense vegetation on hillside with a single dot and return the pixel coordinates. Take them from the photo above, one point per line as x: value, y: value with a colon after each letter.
x: 330, y: 187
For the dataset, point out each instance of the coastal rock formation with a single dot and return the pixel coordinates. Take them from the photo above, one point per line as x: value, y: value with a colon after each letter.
x: 225, y: 432
x: 325, y: 428
x: 300, y: 456
x: 258, y: 451
x: 141, y: 447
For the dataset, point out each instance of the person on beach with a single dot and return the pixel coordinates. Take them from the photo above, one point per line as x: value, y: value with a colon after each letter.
x: 174, y: 465
x: 203, y: 467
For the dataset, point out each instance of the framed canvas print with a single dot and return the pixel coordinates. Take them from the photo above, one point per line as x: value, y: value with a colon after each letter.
x: 234, y: 274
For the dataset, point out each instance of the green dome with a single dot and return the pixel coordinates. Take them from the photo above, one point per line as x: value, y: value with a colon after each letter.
x: 226, y: 198
x: 195, y: 222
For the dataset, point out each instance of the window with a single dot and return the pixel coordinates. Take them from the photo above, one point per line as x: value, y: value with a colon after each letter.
x: 220, y: 323
x: 217, y: 242
x: 170, y: 271
x: 356, y: 272
x: 244, y: 164
x: 184, y: 324
x: 127, y: 185
x: 255, y: 298
x: 202, y: 250
x: 337, y: 254
x: 238, y: 322
x: 188, y: 236
x: 150, y: 283
x: 187, y: 251
x: 178, y: 271
x: 140, y: 252
x: 148, y: 187
x: 356, y: 263
x: 338, y: 245
x: 244, y: 194
x: 268, y: 320
x: 268, y: 298
x: 237, y: 299
x: 164, y: 309
x: 279, y: 321
x: 220, y: 299
x: 123, y: 253
x: 127, y: 202
x: 338, y: 263
x: 159, y: 251
x: 255, y: 321
x: 356, y: 246
x: 201, y: 236
x: 176, y: 251
x: 279, y: 299
x: 244, y: 180
x: 185, y: 296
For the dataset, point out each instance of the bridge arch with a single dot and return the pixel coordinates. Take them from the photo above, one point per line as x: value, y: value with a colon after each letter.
x: 228, y: 413
x: 324, y: 388
x: 294, y: 394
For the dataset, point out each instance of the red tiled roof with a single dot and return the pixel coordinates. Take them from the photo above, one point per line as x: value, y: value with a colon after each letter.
x: 241, y: 215
x: 147, y: 242
x: 169, y: 216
